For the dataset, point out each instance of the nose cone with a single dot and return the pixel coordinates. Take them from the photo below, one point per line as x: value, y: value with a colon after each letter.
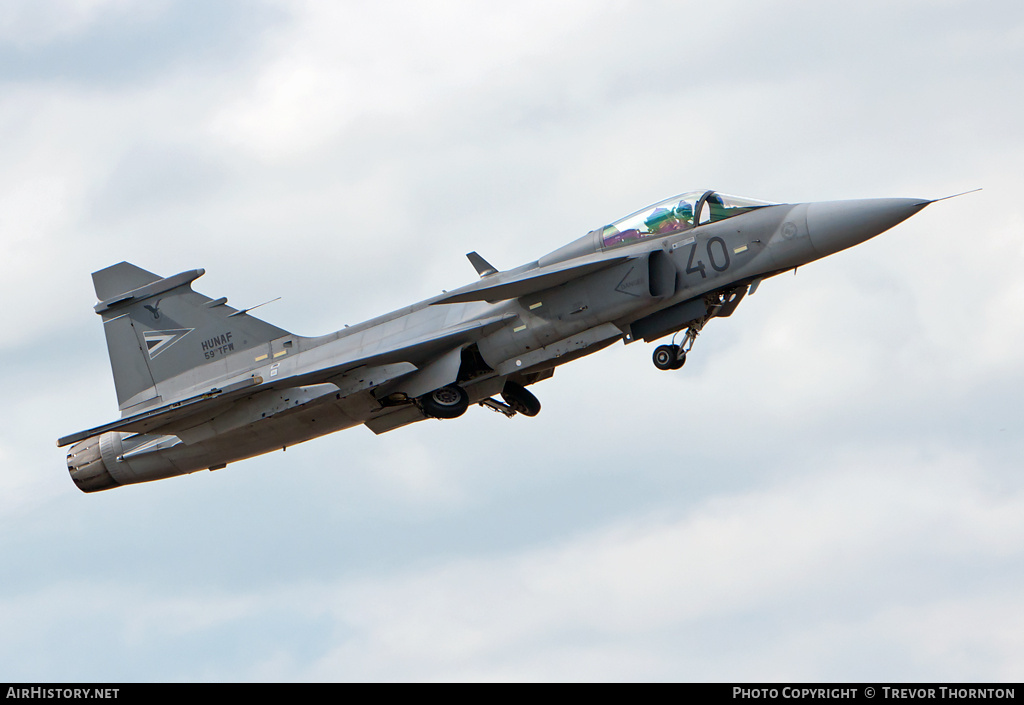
x: 836, y: 225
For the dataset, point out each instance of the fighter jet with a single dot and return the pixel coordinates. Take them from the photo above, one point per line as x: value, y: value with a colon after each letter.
x: 201, y: 384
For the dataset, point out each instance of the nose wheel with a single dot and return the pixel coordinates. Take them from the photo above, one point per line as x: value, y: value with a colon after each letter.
x: 672, y: 357
x: 669, y: 357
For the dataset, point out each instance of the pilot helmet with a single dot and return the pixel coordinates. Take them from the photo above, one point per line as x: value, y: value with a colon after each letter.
x: 684, y: 210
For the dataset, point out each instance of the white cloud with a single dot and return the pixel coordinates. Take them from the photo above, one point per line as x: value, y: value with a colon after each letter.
x: 809, y: 552
x: 914, y: 555
x: 667, y: 578
x: 336, y: 64
x: 27, y: 24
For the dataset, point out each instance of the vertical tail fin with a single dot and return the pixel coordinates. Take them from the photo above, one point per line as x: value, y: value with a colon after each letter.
x: 158, y: 328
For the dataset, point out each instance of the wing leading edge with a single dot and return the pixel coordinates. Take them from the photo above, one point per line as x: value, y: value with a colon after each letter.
x: 514, y: 283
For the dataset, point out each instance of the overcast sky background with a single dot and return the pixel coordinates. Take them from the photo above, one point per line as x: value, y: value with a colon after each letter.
x: 831, y: 489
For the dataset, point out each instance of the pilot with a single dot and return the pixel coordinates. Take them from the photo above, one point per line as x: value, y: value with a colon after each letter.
x: 684, y: 213
x: 661, y: 221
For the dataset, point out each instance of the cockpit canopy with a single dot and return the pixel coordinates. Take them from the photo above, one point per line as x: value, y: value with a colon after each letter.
x: 675, y: 215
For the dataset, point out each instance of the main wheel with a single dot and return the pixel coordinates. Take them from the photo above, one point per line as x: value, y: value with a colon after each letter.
x: 521, y: 401
x: 680, y: 361
x: 665, y: 357
x: 445, y: 403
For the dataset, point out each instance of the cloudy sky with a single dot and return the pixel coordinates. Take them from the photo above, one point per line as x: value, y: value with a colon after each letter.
x: 831, y: 489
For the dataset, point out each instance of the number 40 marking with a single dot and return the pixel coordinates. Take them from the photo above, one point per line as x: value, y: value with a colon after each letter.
x: 713, y: 257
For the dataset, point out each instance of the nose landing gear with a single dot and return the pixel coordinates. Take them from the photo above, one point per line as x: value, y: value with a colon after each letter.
x: 673, y: 357
x: 669, y: 357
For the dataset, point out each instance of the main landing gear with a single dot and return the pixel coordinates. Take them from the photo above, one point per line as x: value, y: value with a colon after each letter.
x: 517, y: 400
x: 452, y: 401
x: 673, y: 357
x: 445, y: 403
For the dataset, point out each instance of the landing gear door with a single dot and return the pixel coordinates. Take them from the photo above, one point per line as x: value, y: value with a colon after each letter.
x: 729, y: 301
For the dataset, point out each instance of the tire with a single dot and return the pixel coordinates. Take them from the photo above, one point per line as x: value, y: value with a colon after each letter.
x: 445, y: 403
x: 680, y: 361
x: 665, y: 357
x: 521, y: 401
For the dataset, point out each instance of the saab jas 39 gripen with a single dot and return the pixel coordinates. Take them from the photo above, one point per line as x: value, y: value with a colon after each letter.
x: 201, y: 384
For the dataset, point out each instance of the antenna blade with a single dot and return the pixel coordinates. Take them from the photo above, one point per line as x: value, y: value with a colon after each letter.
x: 482, y: 266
